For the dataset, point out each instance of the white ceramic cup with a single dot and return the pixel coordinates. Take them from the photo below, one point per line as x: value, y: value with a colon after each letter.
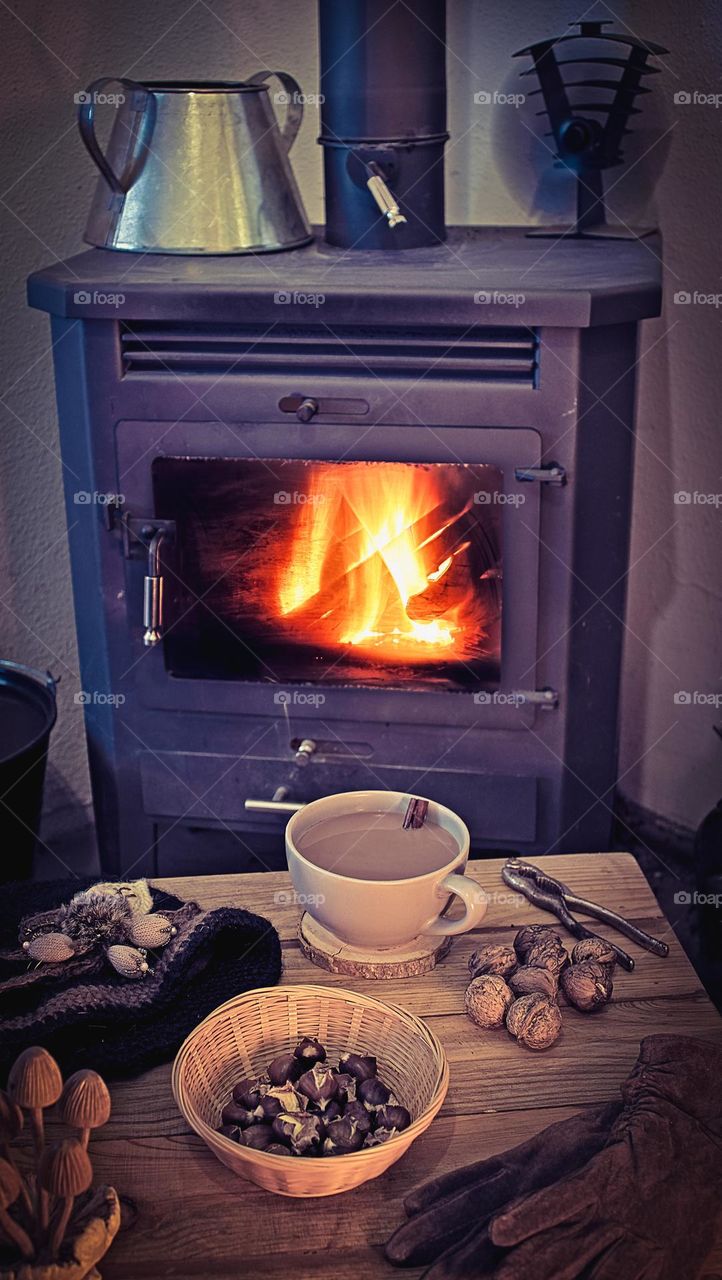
x: 382, y: 913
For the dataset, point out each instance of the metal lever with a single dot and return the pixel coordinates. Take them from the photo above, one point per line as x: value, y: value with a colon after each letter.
x: 153, y: 592
x: 385, y: 200
x: 272, y: 806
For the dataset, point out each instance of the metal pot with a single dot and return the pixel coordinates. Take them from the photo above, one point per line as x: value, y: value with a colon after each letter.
x: 195, y: 167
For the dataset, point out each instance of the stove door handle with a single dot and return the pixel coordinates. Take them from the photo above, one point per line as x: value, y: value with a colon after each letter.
x: 153, y: 592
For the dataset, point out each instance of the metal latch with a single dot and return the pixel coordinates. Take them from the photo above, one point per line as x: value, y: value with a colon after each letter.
x: 547, y: 473
x: 137, y: 532
x: 546, y: 699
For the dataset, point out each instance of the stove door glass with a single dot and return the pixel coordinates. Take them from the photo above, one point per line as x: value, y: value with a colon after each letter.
x: 373, y: 573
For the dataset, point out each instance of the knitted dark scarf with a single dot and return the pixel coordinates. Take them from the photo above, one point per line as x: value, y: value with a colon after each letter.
x: 118, y: 1026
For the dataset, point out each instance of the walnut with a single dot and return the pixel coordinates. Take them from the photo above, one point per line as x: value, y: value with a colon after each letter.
x: 531, y: 934
x: 531, y: 978
x: 595, y: 949
x: 487, y: 1000
x: 499, y: 960
x: 587, y: 985
x: 534, y: 1020
x: 548, y: 954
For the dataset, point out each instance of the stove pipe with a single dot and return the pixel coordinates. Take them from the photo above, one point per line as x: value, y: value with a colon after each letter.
x: 383, y: 121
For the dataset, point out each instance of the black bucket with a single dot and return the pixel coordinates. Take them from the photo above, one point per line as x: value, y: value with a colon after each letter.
x: 27, y: 714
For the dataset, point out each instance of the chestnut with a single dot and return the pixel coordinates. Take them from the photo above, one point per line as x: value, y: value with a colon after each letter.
x: 373, y: 1092
x: 318, y: 1084
x: 380, y: 1135
x: 310, y: 1050
x: 242, y: 1117
x: 284, y: 1068
x: 258, y: 1136
x: 282, y: 1097
x: 393, y: 1117
x: 333, y: 1110
x: 247, y: 1093
x: 357, y: 1065
x: 277, y: 1149
x: 342, y: 1137
x: 301, y: 1132
x: 345, y: 1086
x: 356, y: 1111
x: 231, y: 1131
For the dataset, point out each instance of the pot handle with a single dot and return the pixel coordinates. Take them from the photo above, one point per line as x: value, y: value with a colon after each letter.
x: 292, y: 98
x: 119, y: 183
x: 46, y: 678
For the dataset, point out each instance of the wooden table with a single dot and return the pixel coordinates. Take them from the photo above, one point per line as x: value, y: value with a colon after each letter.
x: 194, y: 1218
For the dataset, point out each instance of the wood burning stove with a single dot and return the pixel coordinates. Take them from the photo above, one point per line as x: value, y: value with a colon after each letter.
x: 379, y: 510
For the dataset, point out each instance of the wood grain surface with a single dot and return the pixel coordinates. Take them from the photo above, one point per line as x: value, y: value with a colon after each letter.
x: 185, y: 1215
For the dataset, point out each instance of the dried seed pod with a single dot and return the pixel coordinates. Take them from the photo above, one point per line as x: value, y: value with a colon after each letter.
x: 594, y: 949
x: 548, y: 954
x: 361, y: 1066
x: 587, y: 986
x: 527, y: 937
x: 310, y: 1050
x: 49, y: 948
x: 284, y: 1068
x: 318, y: 1084
x: 487, y: 1000
x: 127, y: 961
x: 151, y: 931
x: 530, y: 978
x: 535, y: 1021
x: 501, y: 961
x: 85, y: 1103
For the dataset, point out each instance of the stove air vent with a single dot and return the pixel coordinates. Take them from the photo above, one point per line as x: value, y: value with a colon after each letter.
x: 490, y: 354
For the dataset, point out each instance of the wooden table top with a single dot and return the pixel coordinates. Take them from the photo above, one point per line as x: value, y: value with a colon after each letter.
x: 194, y: 1218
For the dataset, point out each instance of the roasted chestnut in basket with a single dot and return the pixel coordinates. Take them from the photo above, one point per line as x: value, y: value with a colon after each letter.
x: 309, y: 1050
x: 359, y: 1113
x: 284, y: 1068
x: 318, y: 1084
x: 282, y: 1097
x: 342, y: 1137
x: 301, y: 1132
x: 258, y: 1137
x: 393, y: 1117
x: 247, y: 1093
x: 373, y: 1092
x: 362, y: 1067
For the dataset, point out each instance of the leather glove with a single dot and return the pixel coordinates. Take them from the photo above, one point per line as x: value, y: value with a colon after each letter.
x: 444, y: 1211
x: 643, y: 1207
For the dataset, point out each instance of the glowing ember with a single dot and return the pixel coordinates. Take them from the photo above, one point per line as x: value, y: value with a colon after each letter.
x: 382, y: 558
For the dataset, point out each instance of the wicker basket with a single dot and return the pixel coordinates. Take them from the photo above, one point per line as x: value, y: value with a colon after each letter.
x: 241, y: 1037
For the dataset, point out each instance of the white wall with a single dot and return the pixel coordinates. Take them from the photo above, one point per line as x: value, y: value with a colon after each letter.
x: 669, y: 753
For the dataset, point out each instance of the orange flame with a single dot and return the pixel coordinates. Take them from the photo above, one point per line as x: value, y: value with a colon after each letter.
x: 368, y: 551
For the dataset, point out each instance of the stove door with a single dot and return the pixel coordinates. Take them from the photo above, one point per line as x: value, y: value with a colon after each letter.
x: 400, y: 560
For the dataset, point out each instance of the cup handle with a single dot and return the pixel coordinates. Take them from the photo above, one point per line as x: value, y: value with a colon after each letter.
x: 294, y: 103
x: 474, y: 899
x: 119, y: 183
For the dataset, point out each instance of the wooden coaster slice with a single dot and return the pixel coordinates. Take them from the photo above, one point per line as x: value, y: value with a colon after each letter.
x: 327, y: 951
